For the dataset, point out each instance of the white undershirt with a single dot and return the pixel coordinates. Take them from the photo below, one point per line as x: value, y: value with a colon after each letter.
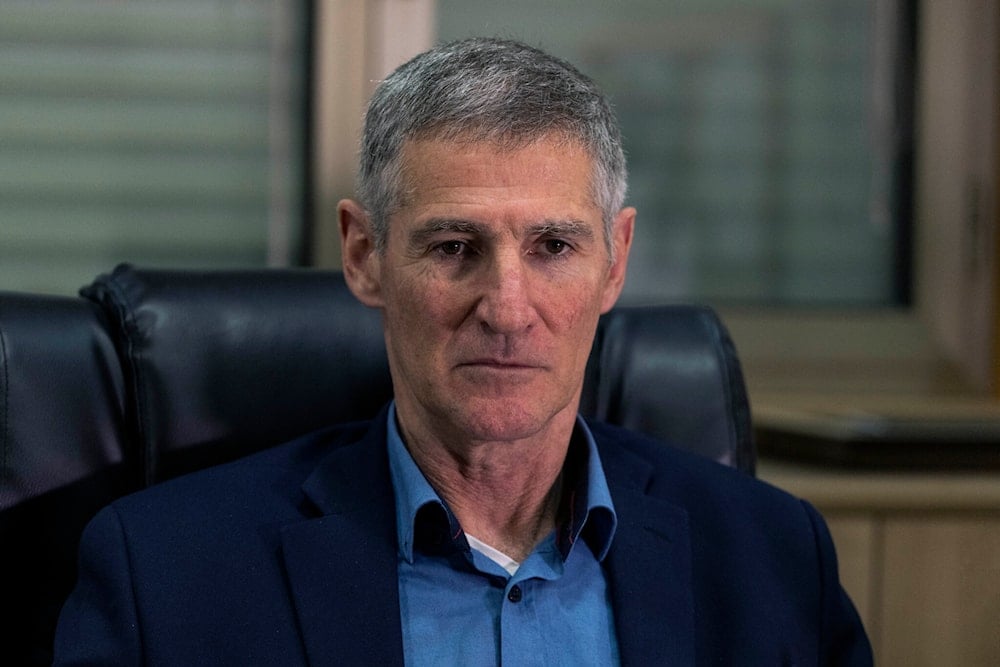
x: 498, y: 557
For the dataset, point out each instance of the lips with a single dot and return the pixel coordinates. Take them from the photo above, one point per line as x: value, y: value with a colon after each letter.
x: 499, y: 364
x: 493, y: 368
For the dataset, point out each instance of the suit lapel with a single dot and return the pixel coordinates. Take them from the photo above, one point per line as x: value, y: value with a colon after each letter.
x: 649, y: 566
x: 342, y: 566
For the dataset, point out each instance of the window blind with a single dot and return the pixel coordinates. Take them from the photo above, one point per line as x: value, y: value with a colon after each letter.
x: 157, y: 132
x: 767, y: 139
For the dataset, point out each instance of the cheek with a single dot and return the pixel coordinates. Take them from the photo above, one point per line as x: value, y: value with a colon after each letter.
x: 577, y: 303
x: 419, y: 316
x: 572, y: 323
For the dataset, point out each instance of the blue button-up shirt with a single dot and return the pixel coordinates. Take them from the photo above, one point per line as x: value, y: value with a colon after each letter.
x: 459, y: 607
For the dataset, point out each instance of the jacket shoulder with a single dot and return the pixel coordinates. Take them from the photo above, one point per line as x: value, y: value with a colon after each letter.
x: 272, y: 477
x: 713, y: 494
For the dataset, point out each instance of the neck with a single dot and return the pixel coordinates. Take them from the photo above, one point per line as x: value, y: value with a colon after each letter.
x: 506, y: 494
x: 513, y: 525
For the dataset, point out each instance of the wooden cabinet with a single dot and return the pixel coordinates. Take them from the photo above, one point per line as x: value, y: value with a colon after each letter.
x: 919, y: 554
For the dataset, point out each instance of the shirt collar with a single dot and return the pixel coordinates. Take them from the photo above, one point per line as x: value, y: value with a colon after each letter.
x: 424, y: 521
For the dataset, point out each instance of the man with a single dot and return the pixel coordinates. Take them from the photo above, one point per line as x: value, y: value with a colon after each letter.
x: 478, y: 520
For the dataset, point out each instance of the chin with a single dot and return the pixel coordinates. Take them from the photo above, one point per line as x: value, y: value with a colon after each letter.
x: 507, y: 419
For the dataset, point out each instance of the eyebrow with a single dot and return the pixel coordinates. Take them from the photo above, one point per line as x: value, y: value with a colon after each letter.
x: 434, y: 226
x: 571, y: 228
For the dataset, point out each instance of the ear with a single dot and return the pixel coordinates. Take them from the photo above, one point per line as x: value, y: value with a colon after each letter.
x: 359, y: 257
x: 621, y: 230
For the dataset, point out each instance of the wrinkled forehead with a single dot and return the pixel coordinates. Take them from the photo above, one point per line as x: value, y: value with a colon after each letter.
x: 432, y: 151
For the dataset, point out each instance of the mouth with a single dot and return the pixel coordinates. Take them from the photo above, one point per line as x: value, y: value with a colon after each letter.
x: 498, y: 377
x: 498, y: 367
x: 499, y: 364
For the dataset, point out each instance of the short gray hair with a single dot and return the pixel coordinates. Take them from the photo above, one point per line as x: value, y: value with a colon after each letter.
x: 486, y: 89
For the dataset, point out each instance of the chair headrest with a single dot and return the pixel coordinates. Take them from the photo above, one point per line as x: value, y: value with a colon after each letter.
x: 61, y: 395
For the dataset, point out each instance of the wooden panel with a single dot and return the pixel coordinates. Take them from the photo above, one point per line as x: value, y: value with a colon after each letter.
x: 856, y: 540
x: 941, y: 591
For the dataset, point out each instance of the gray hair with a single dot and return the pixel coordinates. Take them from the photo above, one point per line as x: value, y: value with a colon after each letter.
x: 486, y: 89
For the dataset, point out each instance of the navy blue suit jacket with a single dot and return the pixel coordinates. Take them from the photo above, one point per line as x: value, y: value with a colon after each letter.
x: 289, y: 557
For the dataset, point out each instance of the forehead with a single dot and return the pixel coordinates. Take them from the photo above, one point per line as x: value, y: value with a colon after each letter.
x: 443, y: 171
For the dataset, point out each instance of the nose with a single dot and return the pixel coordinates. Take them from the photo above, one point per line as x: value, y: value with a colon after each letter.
x: 505, y: 305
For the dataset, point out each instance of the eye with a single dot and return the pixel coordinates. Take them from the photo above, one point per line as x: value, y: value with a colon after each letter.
x: 452, y: 248
x: 556, y: 246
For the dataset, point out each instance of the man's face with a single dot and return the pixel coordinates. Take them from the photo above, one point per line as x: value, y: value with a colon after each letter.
x: 493, y: 278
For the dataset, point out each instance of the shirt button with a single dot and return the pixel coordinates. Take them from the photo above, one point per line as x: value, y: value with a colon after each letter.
x: 515, y: 595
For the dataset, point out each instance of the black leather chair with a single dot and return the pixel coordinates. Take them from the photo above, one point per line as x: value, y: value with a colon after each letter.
x: 62, y: 457
x: 155, y: 373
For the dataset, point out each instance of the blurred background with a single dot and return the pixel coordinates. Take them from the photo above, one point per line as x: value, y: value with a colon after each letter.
x: 172, y: 133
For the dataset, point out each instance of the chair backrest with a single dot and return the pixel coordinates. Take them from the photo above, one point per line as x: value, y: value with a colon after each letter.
x: 225, y: 363
x: 156, y: 373
x: 672, y: 372
x: 62, y: 457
